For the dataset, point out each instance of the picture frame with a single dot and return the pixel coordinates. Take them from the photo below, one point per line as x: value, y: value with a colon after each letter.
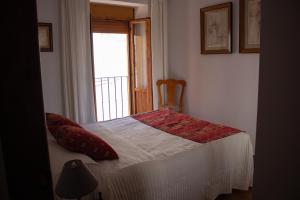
x: 45, y: 37
x: 216, y: 29
x: 249, y: 31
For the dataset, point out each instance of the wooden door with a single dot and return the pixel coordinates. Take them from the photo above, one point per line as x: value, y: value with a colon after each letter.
x: 141, y: 66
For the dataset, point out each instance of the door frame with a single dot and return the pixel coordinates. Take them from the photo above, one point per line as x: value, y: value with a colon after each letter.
x: 147, y: 20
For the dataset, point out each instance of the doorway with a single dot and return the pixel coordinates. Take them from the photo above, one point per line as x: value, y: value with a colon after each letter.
x: 121, y: 49
x: 111, y: 75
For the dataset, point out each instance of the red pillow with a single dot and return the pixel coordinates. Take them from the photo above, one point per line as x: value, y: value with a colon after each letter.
x: 79, y: 140
x: 55, y: 120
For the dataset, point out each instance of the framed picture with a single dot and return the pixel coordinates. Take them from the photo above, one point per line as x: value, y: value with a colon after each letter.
x: 215, y: 23
x: 250, y: 26
x: 45, y: 37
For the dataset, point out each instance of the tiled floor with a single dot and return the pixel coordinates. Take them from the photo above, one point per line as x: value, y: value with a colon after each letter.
x: 237, y: 195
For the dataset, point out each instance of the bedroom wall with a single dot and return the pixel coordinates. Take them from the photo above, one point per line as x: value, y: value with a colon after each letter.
x: 220, y: 88
x: 141, y: 11
x: 120, y: 2
x: 48, y: 11
x: 141, y: 6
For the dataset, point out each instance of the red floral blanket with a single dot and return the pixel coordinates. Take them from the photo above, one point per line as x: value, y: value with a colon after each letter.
x: 185, y: 126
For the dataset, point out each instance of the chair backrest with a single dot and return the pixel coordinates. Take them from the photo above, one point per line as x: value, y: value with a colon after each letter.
x: 171, y: 85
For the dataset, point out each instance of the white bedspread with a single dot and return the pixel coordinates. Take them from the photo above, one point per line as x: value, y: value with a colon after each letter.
x: 156, y: 165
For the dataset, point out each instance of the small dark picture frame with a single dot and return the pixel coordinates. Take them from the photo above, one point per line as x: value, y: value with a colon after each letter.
x: 45, y: 37
x: 249, y: 33
x: 216, y: 29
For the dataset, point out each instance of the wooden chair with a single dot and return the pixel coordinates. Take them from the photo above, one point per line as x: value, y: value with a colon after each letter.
x: 171, y: 85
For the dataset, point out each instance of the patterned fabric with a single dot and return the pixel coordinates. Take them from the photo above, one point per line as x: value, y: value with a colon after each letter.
x: 185, y: 126
x: 54, y: 121
x: 79, y: 140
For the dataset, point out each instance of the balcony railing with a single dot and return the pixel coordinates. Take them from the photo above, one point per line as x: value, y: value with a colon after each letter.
x: 112, y: 97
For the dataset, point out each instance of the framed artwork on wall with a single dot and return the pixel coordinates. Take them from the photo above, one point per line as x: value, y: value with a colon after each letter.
x: 216, y: 28
x: 45, y: 37
x: 250, y: 15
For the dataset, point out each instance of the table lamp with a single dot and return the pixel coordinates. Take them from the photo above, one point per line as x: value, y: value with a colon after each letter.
x: 75, y: 181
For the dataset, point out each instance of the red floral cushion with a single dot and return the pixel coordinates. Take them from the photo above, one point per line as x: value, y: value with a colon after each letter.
x: 55, y: 120
x: 79, y: 140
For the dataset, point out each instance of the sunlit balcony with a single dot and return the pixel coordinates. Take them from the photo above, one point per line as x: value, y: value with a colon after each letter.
x: 112, y: 97
x: 111, y: 75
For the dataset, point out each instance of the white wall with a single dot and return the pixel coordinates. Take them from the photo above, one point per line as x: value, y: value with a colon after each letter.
x: 122, y: 2
x: 141, y: 11
x: 220, y: 88
x: 48, y: 11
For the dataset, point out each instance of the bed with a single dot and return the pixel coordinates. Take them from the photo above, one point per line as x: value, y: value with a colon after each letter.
x: 154, y: 164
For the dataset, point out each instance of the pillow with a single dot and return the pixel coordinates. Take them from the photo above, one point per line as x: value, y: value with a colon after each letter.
x: 55, y: 120
x: 79, y: 140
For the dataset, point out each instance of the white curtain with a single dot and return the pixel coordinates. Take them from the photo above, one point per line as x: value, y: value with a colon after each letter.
x: 77, y: 61
x: 158, y: 13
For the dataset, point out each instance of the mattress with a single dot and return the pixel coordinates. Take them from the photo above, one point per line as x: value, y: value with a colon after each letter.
x: 156, y: 165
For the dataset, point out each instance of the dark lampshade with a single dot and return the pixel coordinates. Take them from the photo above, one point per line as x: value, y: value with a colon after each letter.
x: 75, y: 180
